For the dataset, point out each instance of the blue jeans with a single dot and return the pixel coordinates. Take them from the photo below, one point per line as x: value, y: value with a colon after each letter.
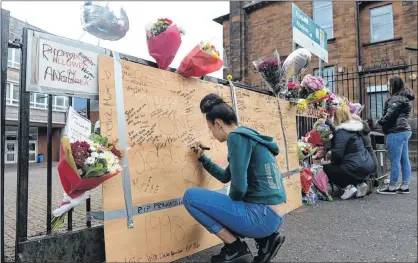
x: 397, y: 144
x: 215, y: 211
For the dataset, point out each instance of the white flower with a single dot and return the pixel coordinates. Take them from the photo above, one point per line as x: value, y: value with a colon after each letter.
x: 94, y: 154
x: 102, y: 156
x: 80, y: 171
x: 90, y: 160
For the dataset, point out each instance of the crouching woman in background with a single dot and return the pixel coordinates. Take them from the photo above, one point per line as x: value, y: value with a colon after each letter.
x: 351, y: 163
x: 252, y: 207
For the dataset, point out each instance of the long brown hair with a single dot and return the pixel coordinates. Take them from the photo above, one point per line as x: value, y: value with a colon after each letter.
x: 396, y: 85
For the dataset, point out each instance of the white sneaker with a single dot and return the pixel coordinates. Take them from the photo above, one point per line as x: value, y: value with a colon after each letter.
x: 348, y: 193
x: 362, y: 189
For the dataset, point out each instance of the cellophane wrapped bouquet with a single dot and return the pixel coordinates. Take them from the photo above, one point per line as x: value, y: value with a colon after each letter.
x: 312, y: 91
x: 305, y: 149
x: 203, y: 59
x: 163, y: 40
x: 320, y: 182
x: 270, y: 70
x: 84, y: 165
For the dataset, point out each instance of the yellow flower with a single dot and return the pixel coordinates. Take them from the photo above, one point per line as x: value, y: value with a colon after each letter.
x: 302, y: 105
x: 216, y: 55
x: 317, y: 95
x: 207, y: 46
x: 229, y: 78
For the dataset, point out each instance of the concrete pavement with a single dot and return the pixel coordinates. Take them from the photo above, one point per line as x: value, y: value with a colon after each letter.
x: 374, y: 229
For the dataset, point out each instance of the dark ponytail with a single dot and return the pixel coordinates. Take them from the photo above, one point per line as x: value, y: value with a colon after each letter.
x: 216, y: 108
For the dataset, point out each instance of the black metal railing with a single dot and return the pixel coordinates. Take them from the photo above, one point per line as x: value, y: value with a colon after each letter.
x: 368, y: 86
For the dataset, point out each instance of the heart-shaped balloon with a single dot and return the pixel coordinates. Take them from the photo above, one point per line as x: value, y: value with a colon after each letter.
x: 296, y: 63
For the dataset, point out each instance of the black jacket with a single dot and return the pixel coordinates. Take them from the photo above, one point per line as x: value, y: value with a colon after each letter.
x: 368, y: 144
x: 396, y: 112
x: 349, y: 152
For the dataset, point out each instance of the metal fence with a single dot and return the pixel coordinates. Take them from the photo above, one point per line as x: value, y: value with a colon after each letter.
x: 369, y: 86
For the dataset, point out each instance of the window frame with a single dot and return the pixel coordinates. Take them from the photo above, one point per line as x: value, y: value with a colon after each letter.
x: 391, y: 23
x: 10, y: 100
x: 10, y: 86
x: 373, y: 90
x: 324, y: 4
x: 13, y: 63
x: 316, y: 74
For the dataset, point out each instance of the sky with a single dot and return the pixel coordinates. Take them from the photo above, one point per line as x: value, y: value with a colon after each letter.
x: 63, y: 18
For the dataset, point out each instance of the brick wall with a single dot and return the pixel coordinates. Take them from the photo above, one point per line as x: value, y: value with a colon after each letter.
x: 43, y: 143
x: 268, y: 28
x: 405, y: 32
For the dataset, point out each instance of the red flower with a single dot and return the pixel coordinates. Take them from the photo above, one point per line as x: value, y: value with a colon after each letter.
x: 166, y: 20
x: 81, y: 151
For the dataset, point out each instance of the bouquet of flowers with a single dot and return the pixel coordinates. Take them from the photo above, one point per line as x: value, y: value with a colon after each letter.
x: 202, y: 60
x: 306, y: 179
x: 305, y: 149
x: 84, y: 165
x: 163, y: 40
x: 270, y: 70
x: 313, y: 83
x: 320, y: 181
x: 323, y: 130
x: 315, y: 97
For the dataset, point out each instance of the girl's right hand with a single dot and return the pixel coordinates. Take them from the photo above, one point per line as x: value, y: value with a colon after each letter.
x: 198, y: 150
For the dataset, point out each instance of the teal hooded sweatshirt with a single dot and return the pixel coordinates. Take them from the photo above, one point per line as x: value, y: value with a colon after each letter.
x: 252, y: 169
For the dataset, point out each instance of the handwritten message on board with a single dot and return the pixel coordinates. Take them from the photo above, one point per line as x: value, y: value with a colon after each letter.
x: 77, y: 128
x: 163, y: 121
x: 66, y: 69
x: 260, y: 112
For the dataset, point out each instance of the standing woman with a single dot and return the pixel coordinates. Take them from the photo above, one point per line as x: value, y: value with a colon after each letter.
x: 396, y: 126
x: 251, y: 208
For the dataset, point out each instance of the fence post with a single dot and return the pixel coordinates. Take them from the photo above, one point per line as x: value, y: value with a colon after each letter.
x: 23, y: 154
x: 4, y: 42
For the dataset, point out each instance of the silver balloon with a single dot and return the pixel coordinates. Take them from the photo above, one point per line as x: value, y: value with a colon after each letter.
x: 296, y: 63
x: 102, y: 22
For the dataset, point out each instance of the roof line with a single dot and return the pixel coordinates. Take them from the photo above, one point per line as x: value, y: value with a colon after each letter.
x: 255, y: 5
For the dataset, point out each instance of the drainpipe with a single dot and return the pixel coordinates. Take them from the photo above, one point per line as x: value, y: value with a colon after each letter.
x: 359, y: 63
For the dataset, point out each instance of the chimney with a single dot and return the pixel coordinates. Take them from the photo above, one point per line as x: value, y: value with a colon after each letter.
x: 237, y: 42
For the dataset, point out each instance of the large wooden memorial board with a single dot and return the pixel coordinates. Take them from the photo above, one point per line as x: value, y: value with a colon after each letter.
x: 260, y: 112
x: 163, y: 120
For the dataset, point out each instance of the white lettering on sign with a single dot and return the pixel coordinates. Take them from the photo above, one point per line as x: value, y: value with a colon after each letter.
x: 77, y: 127
x: 302, y: 17
x: 66, y: 69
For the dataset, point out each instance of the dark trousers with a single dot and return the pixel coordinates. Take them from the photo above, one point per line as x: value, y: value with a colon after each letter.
x: 339, y: 176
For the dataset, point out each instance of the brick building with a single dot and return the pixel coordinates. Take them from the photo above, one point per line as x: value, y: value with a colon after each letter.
x: 364, y: 38
x: 38, y: 107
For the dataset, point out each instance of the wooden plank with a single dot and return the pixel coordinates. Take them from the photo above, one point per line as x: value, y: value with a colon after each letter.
x: 163, y: 120
x: 260, y: 112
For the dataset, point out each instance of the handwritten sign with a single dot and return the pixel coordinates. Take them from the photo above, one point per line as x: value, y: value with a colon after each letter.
x: 77, y: 127
x: 260, y: 112
x: 163, y: 121
x: 66, y: 70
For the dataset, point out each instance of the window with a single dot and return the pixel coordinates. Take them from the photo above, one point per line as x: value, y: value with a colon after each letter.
x: 322, y: 15
x: 377, y: 97
x: 328, y: 75
x: 381, y: 23
x: 12, y: 93
x: 13, y: 58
